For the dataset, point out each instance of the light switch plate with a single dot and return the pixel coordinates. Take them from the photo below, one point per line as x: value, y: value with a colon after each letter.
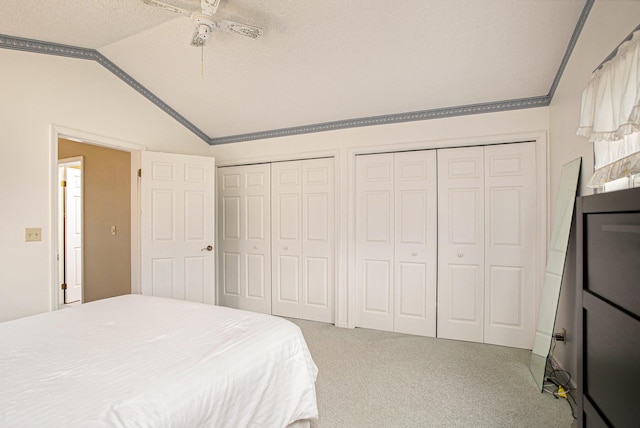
x: 32, y: 234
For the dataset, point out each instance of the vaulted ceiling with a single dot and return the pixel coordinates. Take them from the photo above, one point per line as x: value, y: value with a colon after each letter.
x: 320, y: 64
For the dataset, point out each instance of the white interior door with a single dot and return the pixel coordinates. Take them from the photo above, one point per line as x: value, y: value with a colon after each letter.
x: 415, y: 249
x: 73, y: 234
x: 303, y: 246
x: 244, y: 235
x: 461, y: 243
x: 177, y: 226
x: 510, y: 242
x: 375, y: 230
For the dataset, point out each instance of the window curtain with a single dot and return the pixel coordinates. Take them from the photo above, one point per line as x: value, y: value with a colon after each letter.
x: 607, y: 152
x: 610, y: 116
x: 611, y: 100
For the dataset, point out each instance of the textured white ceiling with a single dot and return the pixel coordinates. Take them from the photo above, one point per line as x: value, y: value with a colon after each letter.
x: 317, y: 61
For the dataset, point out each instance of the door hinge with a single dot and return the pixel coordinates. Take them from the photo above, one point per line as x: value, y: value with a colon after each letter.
x: 63, y: 286
x: 140, y: 172
x: 63, y: 183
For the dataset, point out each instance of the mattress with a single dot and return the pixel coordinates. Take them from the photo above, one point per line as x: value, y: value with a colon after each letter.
x: 138, y: 361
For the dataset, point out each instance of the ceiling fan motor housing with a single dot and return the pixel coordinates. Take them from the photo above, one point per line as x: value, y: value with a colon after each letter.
x: 204, y: 27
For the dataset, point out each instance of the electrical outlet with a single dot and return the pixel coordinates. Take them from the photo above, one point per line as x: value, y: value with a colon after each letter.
x: 560, y: 336
x: 32, y: 234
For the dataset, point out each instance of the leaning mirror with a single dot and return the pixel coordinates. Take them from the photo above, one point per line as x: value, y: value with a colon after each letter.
x: 560, y: 228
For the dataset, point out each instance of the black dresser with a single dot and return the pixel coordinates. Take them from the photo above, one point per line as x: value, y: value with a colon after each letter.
x: 608, y: 275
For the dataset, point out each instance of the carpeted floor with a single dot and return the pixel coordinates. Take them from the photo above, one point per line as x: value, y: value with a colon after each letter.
x: 378, y: 379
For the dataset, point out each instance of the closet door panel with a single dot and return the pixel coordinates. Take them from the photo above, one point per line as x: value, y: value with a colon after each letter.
x: 318, y: 242
x: 461, y: 243
x: 415, y: 258
x: 374, y: 241
x: 231, y: 246
x: 244, y: 235
x: 257, y: 221
x: 286, y: 193
x: 510, y: 232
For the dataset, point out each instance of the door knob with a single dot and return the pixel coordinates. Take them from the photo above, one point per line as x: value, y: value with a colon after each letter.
x: 207, y: 248
x: 460, y: 254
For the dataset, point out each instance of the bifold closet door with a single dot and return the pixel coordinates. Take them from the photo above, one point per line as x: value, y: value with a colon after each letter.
x: 244, y: 236
x: 461, y: 244
x: 396, y: 240
x: 303, y: 239
x: 486, y: 248
x: 510, y: 233
x: 375, y: 230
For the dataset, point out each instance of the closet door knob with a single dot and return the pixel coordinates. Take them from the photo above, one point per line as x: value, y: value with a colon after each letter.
x: 460, y: 254
x: 414, y: 254
x: 286, y: 248
x: 255, y: 247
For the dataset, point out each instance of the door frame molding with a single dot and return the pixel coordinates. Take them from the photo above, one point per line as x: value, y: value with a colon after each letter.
x: 56, y: 132
x: 542, y: 201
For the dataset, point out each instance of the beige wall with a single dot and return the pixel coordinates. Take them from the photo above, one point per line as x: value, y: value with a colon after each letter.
x: 609, y: 22
x: 107, y: 202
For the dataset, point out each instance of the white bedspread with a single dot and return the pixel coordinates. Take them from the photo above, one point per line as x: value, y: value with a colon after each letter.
x: 135, y: 361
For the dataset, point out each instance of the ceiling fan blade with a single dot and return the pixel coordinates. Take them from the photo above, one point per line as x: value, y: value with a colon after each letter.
x: 166, y: 6
x: 242, y: 29
x: 209, y: 7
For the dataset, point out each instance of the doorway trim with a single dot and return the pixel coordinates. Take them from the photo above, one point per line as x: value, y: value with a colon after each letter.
x: 56, y: 132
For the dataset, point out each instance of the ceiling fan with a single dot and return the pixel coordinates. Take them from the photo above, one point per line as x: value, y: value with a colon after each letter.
x: 205, y: 24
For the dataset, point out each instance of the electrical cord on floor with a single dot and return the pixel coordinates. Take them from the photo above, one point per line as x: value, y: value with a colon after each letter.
x: 561, y: 387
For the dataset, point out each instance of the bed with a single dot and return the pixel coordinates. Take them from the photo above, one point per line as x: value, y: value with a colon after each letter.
x: 139, y: 361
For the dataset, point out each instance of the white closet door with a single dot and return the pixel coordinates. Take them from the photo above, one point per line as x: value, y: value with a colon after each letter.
x: 230, y: 245
x: 510, y: 232
x: 244, y: 262
x: 415, y: 243
x: 303, y: 243
x: 318, y: 239
x: 286, y: 244
x: 461, y: 243
x: 375, y: 241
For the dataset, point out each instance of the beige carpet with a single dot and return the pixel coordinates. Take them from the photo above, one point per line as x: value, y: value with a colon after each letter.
x: 377, y: 379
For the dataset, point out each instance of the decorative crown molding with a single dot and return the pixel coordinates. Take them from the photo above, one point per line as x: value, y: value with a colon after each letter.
x: 47, y: 48
x: 572, y: 43
x: 523, y: 103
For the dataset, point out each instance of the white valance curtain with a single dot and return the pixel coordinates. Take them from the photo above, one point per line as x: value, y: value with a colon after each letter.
x: 610, y: 116
x: 611, y: 100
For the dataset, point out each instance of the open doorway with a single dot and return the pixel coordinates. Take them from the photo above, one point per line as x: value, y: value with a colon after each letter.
x: 70, y: 229
x: 96, y: 262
